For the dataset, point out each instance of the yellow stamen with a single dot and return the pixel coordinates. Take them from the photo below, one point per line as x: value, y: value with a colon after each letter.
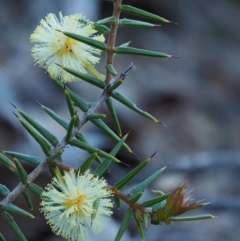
x: 67, y: 47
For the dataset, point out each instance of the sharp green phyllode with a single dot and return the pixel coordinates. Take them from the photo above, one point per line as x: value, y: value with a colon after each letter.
x: 92, y: 149
x: 87, y: 163
x: 155, y: 200
x: 56, y: 117
x: 133, y: 199
x: 89, y: 41
x: 132, y: 106
x: 27, y: 198
x: 134, y: 23
x: 75, y: 98
x: 117, y: 202
x: 39, y: 139
x: 35, y: 188
x: 96, y: 116
x: 70, y: 128
x: 114, y: 85
x: 141, y: 186
x: 139, y: 227
x: 104, y: 165
x: 13, y: 208
x: 141, y: 52
x: 55, y: 156
x: 141, y: 13
x: 103, y: 127
x: 8, y: 219
x: 108, y: 20
x: 8, y: 163
x: 192, y: 218
x: 69, y: 103
x: 126, y: 219
x: 111, y: 69
x: 101, y: 28
x: 114, y: 116
x: 21, y: 171
x: 28, y: 158
x: 80, y: 137
x: 43, y: 131
x: 90, y: 79
x: 122, y: 182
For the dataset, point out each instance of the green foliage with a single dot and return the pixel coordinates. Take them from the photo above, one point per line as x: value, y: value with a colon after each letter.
x: 157, y: 209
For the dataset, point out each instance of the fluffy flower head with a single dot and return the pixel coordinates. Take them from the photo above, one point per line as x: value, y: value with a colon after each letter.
x: 77, y: 205
x: 54, y: 47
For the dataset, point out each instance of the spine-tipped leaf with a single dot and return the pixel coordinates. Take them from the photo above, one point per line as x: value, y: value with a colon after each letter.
x: 111, y: 69
x: 8, y: 219
x: 22, y: 173
x: 139, y: 227
x: 43, y: 131
x: 56, y: 117
x: 135, y: 198
x: 35, y: 189
x: 132, y: 106
x: 69, y: 103
x: 75, y: 98
x: 91, y: 149
x: 44, y: 145
x: 155, y: 200
x: 117, y: 202
x: 55, y: 156
x: 8, y: 163
x: 141, y: 52
x: 87, y: 163
x: 13, y: 208
x: 115, y: 85
x: 126, y: 219
x: 108, y: 20
x: 87, y: 40
x: 113, y: 114
x: 28, y: 158
x: 96, y: 116
x: 122, y: 182
x: 104, y: 165
x: 192, y: 218
x: 90, y: 79
x: 80, y: 137
x: 141, y: 186
x: 27, y: 199
x: 141, y: 13
x: 70, y: 128
x: 103, y: 127
x: 135, y: 23
x: 101, y: 28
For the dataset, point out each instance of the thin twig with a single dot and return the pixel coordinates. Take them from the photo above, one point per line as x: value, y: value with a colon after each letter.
x: 112, y: 37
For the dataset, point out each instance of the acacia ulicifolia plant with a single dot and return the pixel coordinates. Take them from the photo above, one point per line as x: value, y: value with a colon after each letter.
x: 79, y: 201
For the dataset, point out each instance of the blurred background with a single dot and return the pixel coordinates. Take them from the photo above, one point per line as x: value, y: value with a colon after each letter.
x: 197, y: 96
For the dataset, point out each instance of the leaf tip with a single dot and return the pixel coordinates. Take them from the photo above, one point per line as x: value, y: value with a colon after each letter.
x: 153, y: 154
x: 160, y: 123
x: 15, y: 114
x: 13, y: 105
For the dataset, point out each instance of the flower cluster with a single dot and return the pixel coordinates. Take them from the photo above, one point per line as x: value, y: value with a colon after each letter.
x: 53, y: 47
x: 76, y: 204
